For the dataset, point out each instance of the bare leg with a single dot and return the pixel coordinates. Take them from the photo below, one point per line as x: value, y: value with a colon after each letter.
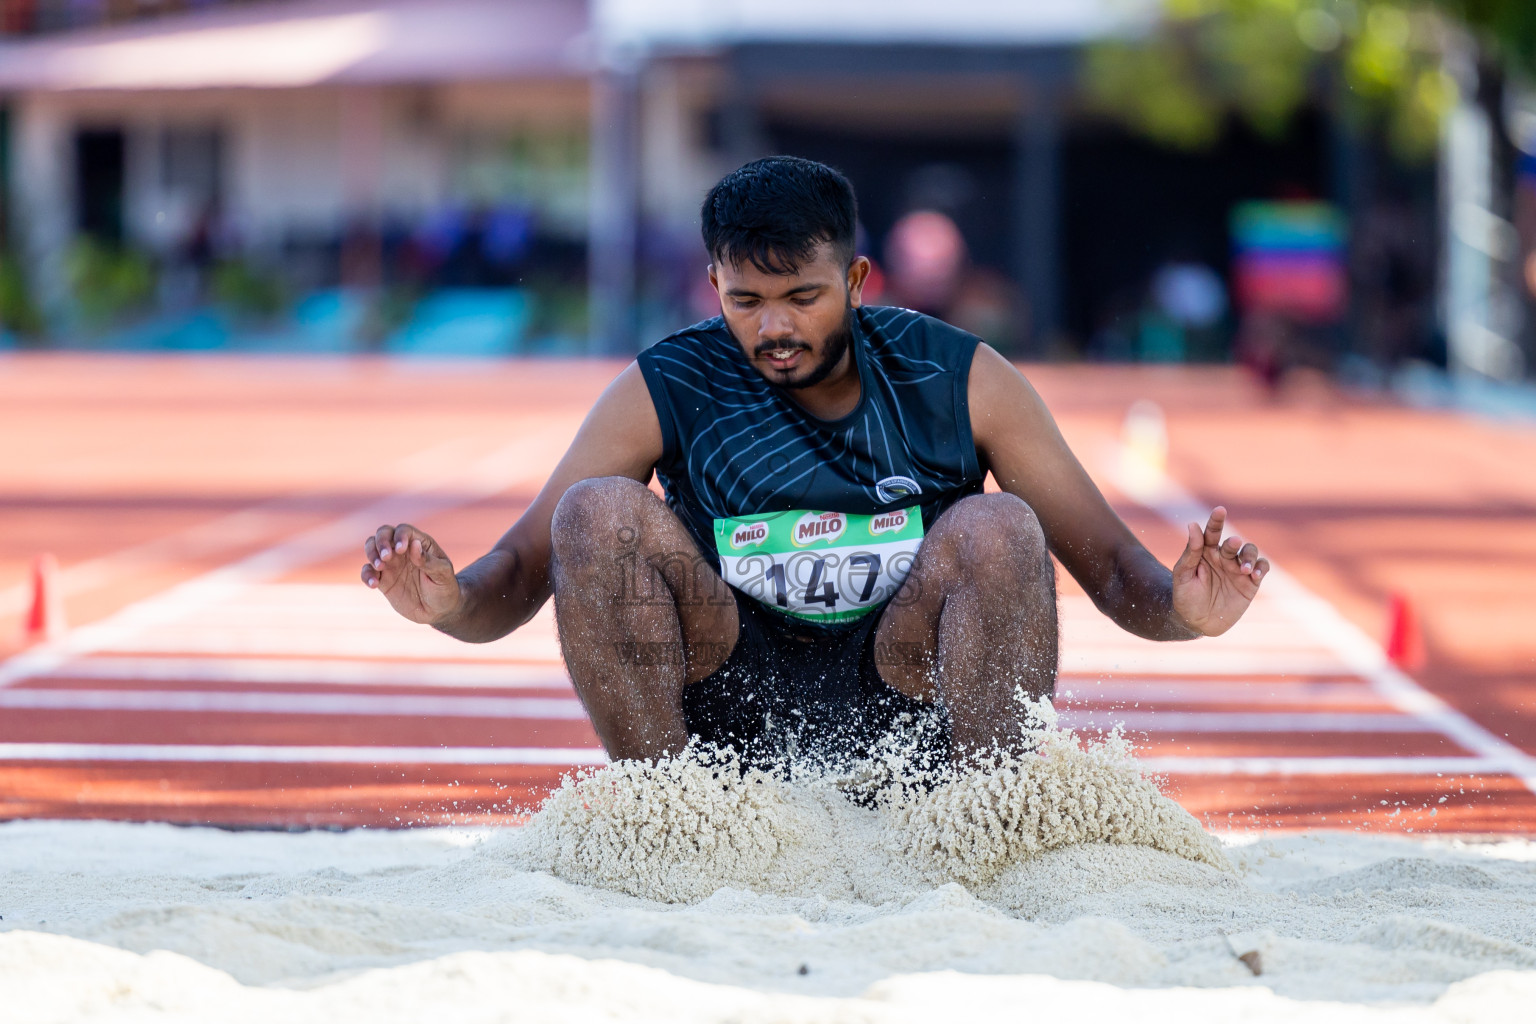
x: 640, y: 613
x: 975, y: 619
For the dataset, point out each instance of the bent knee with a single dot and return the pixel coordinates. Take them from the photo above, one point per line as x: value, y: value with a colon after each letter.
x: 597, y: 515
x: 993, y: 530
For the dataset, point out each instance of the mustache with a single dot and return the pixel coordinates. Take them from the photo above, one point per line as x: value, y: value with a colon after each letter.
x: 764, y: 347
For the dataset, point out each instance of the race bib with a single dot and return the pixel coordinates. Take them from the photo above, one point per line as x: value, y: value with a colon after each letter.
x: 824, y: 566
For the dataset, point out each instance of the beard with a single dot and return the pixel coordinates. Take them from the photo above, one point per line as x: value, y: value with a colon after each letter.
x: 835, y: 346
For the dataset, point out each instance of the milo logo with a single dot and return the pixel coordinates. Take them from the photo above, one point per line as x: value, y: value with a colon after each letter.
x: 818, y: 526
x: 749, y: 535
x: 887, y: 523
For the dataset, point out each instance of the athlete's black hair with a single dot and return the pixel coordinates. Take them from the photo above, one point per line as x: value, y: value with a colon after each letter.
x: 774, y: 212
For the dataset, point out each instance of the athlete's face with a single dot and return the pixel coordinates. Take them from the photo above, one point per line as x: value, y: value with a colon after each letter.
x: 795, y: 328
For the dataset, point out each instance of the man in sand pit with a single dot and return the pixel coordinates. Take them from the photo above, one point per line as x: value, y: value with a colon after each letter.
x: 825, y: 570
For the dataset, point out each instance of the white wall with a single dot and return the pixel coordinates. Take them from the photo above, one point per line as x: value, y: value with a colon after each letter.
x: 676, y: 167
x: 40, y: 203
x: 642, y: 24
x: 294, y: 159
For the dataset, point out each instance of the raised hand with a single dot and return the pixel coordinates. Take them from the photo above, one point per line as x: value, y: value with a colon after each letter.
x: 411, y: 570
x: 1214, y: 580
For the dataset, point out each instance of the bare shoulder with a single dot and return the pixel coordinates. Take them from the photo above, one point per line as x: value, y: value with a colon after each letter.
x: 1001, y: 399
x: 622, y: 434
x: 628, y: 394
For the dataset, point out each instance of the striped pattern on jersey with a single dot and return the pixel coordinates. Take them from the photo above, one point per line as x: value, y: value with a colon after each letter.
x: 736, y: 445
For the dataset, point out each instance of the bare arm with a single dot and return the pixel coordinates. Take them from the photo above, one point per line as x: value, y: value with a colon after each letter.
x: 507, y: 586
x: 1018, y: 440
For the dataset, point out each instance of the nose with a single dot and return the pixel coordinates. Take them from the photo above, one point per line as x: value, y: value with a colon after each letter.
x: 775, y: 325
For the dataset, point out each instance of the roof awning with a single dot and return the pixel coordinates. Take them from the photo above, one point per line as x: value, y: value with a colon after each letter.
x: 308, y: 43
x: 688, y: 24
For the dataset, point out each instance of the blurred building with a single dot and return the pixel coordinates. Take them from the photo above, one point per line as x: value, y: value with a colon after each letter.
x: 957, y: 111
x: 320, y: 143
x: 972, y: 114
x: 558, y: 149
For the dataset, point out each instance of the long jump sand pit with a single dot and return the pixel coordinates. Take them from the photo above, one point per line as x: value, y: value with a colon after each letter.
x: 1058, y: 885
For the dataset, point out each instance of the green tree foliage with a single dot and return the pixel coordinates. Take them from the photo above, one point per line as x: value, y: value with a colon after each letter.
x: 246, y: 290
x: 1206, y: 60
x: 1506, y: 26
x: 18, y: 313
x: 109, y: 282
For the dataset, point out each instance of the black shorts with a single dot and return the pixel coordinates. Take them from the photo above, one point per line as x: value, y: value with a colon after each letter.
x: 794, y: 690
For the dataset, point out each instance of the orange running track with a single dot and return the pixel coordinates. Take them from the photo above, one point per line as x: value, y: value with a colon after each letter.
x: 225, y: 666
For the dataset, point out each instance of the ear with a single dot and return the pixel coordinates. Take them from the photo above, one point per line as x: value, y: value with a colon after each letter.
x: 858, y: 273
x: 714, y: 281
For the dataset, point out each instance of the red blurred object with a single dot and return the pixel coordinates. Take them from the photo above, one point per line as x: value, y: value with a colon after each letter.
x: 1311, y: 289
x: 925, y: 255
x: 45, y: 619
x: 874, y: 285
x: 1288, y: 259
x: 18, y: 17
x: 1405, y: 640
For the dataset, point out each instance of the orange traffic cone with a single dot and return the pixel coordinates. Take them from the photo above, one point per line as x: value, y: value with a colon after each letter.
x: 45, y: 620
x: 1405, y: 641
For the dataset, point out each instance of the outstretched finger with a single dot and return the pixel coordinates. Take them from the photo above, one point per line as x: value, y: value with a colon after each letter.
x: 1215, y: 525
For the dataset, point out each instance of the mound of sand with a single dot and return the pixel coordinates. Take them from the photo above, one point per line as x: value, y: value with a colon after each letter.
x: 1061, y: 881
x: 680, y: 831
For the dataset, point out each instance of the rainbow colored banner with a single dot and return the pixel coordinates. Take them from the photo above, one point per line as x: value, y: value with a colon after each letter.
x: 1288, y: 258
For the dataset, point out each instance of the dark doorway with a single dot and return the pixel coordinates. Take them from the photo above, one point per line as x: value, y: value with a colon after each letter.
x: 967, y: 178
x: 1130, y: 206
x: 99, y: 175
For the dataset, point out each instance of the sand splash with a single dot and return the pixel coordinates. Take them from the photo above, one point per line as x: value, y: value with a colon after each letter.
x: 679, y: 831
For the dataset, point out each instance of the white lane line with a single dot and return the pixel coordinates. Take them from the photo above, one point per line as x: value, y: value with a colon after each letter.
x: 1365, y: 657
x: 344, y: 641
x: 1355, y: 651
x: 1247, y: 721
x: 515, y: 464
x: 1447, y: 766
x: 1192, y: 661
x: 570, y: 709
x: 192, y: 701
x: 1324, y: 669
x: 330, y: 672
x: 1191, y: 692
x: 249, y: 754
x: 248, y: 525
x: 341, y: 620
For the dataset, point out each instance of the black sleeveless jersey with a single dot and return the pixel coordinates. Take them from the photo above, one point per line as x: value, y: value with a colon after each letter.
x: 736, y: 445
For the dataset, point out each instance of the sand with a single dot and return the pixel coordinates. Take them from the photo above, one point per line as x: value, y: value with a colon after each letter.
x: 1059, y: 882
